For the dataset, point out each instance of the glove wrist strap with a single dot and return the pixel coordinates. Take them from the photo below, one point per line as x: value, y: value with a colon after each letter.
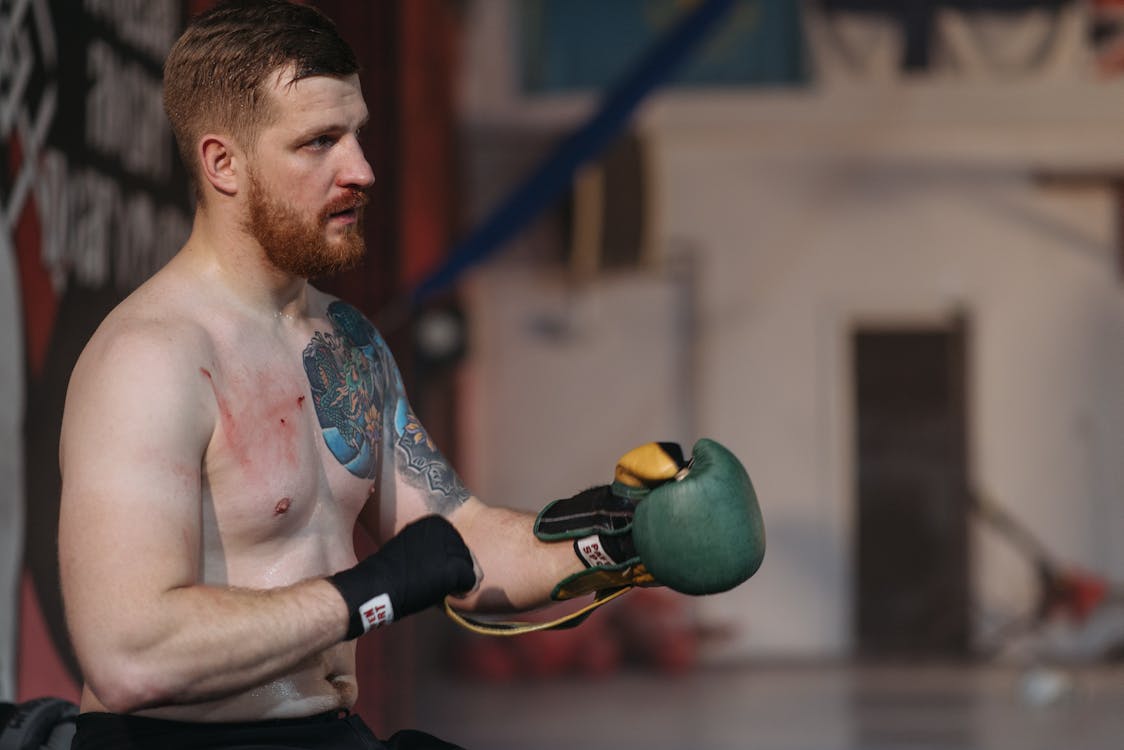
x: 509, y: 628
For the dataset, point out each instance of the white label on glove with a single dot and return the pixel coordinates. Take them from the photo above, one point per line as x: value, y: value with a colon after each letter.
x: 593, y: 553
x: 376, y: 612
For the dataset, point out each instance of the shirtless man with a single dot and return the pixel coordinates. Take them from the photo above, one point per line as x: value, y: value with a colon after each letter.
x: 228, y: 425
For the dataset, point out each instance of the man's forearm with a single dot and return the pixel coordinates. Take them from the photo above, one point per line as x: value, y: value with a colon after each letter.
x: 519, y: 571
x: 201, y: 643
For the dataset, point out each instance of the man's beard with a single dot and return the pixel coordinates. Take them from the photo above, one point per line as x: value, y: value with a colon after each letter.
x: 300, y: 246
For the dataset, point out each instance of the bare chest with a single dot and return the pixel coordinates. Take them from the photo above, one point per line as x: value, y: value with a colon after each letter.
x: 294, y: 457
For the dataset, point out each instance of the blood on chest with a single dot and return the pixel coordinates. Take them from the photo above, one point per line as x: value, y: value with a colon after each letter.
x: 262, y: 423
x: 263, y: 448
x: 264, y: 468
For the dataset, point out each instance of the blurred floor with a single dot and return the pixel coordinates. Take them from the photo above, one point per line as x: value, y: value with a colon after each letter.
x: 789, y: 707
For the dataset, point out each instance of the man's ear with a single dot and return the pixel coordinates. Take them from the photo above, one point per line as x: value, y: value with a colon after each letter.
x: 221, y: 163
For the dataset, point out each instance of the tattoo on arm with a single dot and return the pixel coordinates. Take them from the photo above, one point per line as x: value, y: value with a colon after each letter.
x: 357, y: 391
x: 422, y: 464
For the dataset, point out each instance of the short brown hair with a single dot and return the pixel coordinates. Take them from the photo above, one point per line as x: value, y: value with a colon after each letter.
x: 216, y: 73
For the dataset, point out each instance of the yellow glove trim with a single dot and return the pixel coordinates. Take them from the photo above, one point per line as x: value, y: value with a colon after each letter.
x: 593, y: 580
x: 646, y: 466
x: 506, y: 628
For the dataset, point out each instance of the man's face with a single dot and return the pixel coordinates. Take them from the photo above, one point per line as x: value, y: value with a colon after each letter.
x: 305, y: 190
x: 299, y: 243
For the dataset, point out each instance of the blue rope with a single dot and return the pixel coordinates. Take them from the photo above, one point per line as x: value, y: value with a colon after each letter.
x: 556, y: 172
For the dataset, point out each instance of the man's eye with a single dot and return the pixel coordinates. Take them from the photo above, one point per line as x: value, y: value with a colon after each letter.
x: 322, y: 141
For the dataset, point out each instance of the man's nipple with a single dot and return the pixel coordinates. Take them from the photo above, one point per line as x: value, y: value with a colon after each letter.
x: 282, y: 506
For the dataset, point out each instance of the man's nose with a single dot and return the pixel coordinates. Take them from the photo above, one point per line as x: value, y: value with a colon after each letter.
x: 356, y: 171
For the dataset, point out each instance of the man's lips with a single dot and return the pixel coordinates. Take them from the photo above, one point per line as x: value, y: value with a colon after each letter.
x: 347, y: 213
x: 346, y: 207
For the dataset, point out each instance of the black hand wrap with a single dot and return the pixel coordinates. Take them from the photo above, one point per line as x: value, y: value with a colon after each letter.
x: 415, y: 569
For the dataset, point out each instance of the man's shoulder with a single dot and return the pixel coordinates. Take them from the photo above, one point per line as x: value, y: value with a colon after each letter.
x: 344, y: 317
x: 141, y: 366
x: 321, y: 304
x: 142, y: 322
x: 142, y: 332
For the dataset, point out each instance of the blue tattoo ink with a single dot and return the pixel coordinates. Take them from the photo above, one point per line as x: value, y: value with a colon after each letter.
x: 347, y: 377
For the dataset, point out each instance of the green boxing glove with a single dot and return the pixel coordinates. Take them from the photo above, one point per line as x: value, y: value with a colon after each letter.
x: 694, y: 526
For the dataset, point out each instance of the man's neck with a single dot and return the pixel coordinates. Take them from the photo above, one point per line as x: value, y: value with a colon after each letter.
x: 228, y: 256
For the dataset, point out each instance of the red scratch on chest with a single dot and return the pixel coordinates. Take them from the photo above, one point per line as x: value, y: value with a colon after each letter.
x: 245, y: 409
x: 226, y: 416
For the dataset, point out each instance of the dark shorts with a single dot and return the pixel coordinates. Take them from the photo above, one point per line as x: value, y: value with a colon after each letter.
x: 105, y: 731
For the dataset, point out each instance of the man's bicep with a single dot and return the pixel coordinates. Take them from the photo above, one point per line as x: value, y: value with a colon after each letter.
x: 423, y: 473
x: 133, y: 435
x: 414, y: 478
x: 423, y: 482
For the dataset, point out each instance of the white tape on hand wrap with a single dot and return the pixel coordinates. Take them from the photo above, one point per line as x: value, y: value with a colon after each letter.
x: 376, y: 612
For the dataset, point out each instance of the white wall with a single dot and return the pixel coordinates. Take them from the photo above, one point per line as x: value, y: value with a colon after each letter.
x: 811, y: 212
x: 812, y: 224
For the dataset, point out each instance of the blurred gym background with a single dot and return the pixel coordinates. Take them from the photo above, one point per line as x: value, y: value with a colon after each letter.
x: 875, y: 247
